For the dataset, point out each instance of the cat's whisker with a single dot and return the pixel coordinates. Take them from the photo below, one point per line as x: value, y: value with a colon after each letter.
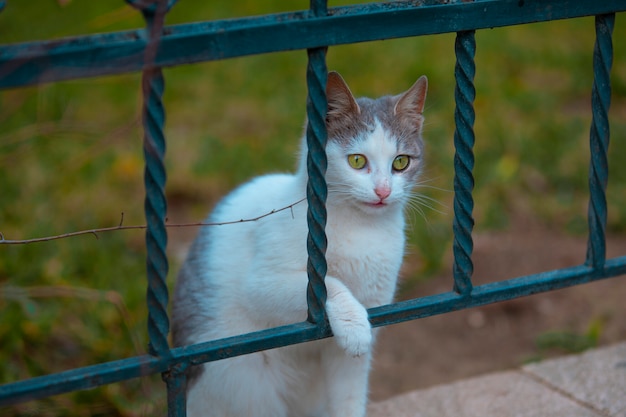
x: 432, y: 187
x: 418, y: 202
x: 423, y: 183
x: 429, y: 202
x: 340, y: 185
x: 417, y: 208
x: 339, y: 192
x: 413, y: 220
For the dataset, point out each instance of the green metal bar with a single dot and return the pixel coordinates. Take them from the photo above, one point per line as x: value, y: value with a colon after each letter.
x: 599, y: 140
x: 464, y: 116
x: 155, y: 204
x: 317, y: 190
x: 154, y: 145
x: 176, y: 380
x: 122, y: 52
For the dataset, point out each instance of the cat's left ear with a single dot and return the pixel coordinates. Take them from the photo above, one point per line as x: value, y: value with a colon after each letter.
x: 411, y: 103
x: 341, y: 102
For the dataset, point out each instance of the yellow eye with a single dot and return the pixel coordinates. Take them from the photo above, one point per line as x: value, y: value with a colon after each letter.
x: 357, y: 161
x: 401, y: 162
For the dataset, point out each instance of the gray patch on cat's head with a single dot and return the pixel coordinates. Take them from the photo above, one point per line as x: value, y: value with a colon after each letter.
x: 349, y: 120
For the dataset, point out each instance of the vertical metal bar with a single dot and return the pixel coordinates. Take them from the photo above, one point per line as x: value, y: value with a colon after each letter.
x: 319, y: 7
x: 176, y: 380
x: 155, y: 207
x: 599, y: 140
x: 155, y: 204
x: 317, y: 190
x: 156, y: 211
x: 464, y: 116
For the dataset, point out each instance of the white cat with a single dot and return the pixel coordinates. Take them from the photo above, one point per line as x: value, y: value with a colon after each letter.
x: 251, y: 276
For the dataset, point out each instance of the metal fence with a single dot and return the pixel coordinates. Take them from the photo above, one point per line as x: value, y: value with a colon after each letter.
x: 314, y: 30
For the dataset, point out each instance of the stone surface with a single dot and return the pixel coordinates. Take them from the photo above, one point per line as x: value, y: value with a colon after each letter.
x: 596, y: 378
x: 592, y: 384
x: 507, y: 394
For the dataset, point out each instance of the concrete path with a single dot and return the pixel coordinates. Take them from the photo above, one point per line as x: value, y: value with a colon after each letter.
x: 592, y: 384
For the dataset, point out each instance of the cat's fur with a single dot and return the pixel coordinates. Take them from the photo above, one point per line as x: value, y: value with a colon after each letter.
x: 250, y: 276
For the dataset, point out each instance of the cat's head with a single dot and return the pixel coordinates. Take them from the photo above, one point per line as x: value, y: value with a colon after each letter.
x: 374, y: 147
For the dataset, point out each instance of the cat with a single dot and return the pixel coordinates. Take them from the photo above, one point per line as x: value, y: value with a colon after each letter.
x: 250, y: 276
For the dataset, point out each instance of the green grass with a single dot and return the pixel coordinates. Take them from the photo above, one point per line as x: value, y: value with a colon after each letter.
x: 71, y: 159
x: 568, y: 341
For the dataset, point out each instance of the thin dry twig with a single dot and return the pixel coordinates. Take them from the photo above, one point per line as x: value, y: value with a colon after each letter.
x: 95, y: 232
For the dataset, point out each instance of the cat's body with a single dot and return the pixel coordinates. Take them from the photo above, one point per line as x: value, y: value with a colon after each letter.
x: 249, y: 276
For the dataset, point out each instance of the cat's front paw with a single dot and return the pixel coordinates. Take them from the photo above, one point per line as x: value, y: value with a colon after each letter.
x: 350, y: 324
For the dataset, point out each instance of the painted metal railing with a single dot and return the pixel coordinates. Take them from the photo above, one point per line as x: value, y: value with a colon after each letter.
x: 314, y: 30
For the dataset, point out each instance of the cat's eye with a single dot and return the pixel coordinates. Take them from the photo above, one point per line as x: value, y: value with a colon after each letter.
x: 357, y: 161
x: 401, y: 162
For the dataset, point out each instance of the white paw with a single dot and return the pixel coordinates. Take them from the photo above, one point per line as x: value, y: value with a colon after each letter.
x: 350, y: 325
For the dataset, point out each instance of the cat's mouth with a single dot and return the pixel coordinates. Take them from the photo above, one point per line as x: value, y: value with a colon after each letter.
x: 378, y: 204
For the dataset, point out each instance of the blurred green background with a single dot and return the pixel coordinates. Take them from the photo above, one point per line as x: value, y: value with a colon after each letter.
x: 71, y: 159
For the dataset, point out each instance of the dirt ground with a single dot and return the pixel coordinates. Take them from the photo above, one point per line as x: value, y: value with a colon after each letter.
x: 500, y: 336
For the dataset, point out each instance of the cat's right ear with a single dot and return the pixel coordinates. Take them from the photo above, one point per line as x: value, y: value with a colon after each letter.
x: 411, y: 103
x: 341, y: 102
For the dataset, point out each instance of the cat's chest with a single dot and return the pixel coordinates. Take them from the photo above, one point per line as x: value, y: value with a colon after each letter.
x: 366, y: 258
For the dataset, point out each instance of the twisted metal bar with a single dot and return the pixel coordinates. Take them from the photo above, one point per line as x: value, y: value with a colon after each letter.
x: 317, y: 191
x: 156, y: 208
x: 599, y: 140
x: 464, y: 116
x: 155, y: 204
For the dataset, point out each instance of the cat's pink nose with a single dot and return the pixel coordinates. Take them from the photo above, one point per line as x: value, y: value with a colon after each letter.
x: 382, y: 192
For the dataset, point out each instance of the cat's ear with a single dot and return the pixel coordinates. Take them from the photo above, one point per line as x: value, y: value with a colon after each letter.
x: 341, y: 102
x: 411, y: 103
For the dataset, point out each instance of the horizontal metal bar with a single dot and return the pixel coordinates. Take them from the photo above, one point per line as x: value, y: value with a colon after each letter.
x: 81, y: 378
x: 494, y: 292
x: 122, y: 52
x: 110, y: 372
x: 124, y: 369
